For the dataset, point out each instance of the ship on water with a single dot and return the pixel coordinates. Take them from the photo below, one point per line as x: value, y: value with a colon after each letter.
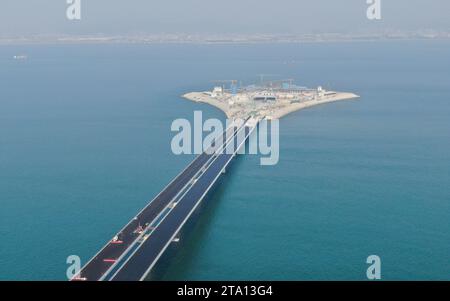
x: 20, y: 57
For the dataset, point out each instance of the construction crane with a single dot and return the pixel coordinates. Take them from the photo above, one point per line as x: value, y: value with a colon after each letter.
x: 233, y: 84
x: 283, y: 82
x: 262, y: 76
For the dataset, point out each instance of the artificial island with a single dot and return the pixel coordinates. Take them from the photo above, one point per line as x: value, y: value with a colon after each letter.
x: 270, y: 99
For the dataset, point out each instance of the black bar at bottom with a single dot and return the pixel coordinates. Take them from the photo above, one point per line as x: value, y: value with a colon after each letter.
x: 379, y: 290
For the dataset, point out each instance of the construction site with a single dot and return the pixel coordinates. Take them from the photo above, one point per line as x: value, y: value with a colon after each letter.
x: 267, y: 99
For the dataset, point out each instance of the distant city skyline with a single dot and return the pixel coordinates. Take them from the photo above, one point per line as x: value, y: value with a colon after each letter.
x: 138, y: 17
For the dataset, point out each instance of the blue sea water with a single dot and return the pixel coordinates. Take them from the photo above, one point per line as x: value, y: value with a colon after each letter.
x: 85, y: 144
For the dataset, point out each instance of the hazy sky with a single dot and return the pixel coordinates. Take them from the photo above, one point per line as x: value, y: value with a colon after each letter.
x: 22, y: 17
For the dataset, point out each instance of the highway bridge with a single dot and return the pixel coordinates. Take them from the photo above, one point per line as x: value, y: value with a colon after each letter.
x: 136, y: 248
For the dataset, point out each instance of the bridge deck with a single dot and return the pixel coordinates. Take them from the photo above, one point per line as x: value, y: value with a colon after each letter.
x: 106, y: 258
x: 143, y: 260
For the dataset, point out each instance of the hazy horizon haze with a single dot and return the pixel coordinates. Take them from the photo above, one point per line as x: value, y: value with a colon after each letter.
x: 25, y: 17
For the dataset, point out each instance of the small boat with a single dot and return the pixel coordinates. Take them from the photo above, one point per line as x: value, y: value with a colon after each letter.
x: 20, y: 57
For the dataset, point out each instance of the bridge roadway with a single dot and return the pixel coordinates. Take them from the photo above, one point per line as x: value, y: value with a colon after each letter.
x: 142, y: 261
x: 103, y: 261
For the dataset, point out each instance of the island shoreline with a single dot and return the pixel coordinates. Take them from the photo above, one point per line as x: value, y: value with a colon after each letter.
x: 202, y: 97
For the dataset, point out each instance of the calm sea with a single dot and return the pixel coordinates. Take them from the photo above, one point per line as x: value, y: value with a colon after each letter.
x: 85, y: 144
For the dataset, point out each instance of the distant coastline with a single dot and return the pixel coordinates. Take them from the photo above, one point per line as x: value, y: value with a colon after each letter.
x: 181, y: 38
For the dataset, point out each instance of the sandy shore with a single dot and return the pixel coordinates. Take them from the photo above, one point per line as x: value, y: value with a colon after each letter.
x: 202, y: 97
x: 307, y: 104
x: 273, y: 113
